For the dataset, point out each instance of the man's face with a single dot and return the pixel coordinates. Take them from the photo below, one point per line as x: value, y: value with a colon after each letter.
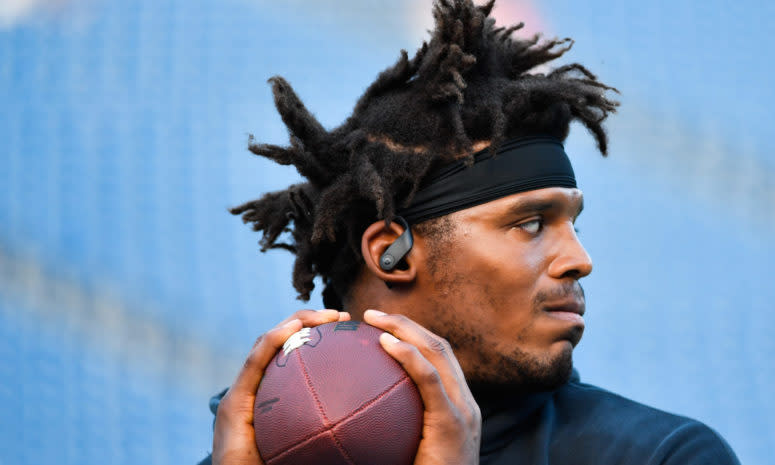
x: 503, y: 288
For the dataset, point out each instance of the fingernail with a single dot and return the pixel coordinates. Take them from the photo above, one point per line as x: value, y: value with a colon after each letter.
x: 375, y: 312
x: 292, y: 323
x: 387, y: 338
x: 326, y: 310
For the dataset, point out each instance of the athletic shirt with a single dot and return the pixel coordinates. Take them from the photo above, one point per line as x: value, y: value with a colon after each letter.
x: 583, y: 424
x: 580, y: 424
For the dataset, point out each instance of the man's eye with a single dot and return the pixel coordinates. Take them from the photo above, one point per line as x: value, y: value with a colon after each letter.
x: 531, y: 227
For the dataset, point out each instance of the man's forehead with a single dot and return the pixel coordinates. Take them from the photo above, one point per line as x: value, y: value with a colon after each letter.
x: 557, y: 199
x: 560, y: 195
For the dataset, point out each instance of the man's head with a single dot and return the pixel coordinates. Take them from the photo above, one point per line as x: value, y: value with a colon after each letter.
x: 482, y: 283
x: 498, y: 280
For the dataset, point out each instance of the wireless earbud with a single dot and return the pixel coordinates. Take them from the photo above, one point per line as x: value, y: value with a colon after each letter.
x: 398, y: 249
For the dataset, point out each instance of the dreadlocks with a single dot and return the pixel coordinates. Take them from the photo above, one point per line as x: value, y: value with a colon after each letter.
x: 470, y: 83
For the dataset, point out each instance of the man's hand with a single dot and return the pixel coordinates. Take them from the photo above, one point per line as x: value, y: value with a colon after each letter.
x: 234, y: 440
x: 452, y: 422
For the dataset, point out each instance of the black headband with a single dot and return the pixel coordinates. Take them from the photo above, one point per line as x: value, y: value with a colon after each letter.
x: 519, y: 165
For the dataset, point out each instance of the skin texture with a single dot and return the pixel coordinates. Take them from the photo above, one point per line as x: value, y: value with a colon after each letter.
x: 477, y: 306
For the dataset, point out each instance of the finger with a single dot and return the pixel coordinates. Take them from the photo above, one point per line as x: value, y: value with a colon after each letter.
x: 262, y: 353
x: 406, y: 329
x: 420, y: 370
x: 434, y: 348
x: 311, y: 318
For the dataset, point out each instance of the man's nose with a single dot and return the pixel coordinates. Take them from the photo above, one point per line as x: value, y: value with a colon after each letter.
x: 571, y: 259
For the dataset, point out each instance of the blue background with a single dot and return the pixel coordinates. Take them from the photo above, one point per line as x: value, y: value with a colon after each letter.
x: 128, y: 295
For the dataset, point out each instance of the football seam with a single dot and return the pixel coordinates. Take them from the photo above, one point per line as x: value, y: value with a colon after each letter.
x: 369, y: 403
x: 318, y: 404
x: 341, y: 448
x: 326, y: 422
x: 326, y: 429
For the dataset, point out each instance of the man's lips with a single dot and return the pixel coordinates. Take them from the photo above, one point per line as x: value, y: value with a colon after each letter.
x: 570, y: 305
x: 569, y: 310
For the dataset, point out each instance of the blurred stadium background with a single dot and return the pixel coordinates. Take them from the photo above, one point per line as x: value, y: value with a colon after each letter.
x: 128, y: 295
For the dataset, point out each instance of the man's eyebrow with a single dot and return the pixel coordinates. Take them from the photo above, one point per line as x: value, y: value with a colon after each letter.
x: 521, y: 207
x: 532, y: 206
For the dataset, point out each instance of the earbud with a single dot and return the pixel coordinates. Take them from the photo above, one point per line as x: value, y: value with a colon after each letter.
x: 398, y: 249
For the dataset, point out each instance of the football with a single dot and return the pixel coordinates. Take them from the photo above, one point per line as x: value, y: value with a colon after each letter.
x: 332, y: 395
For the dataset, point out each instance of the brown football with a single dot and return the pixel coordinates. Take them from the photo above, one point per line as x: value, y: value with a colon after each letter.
x: 332, y: 395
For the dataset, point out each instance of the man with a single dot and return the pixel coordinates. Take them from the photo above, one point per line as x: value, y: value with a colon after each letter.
x: 442, y: 212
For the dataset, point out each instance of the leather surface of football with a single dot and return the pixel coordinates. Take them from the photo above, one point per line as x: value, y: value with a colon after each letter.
x: 332, y: 395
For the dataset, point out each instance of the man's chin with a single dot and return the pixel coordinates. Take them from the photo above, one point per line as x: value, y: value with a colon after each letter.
x: 524, y: 373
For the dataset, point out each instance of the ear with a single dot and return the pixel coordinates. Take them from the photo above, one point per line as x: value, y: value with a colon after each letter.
x: 375, y: 240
